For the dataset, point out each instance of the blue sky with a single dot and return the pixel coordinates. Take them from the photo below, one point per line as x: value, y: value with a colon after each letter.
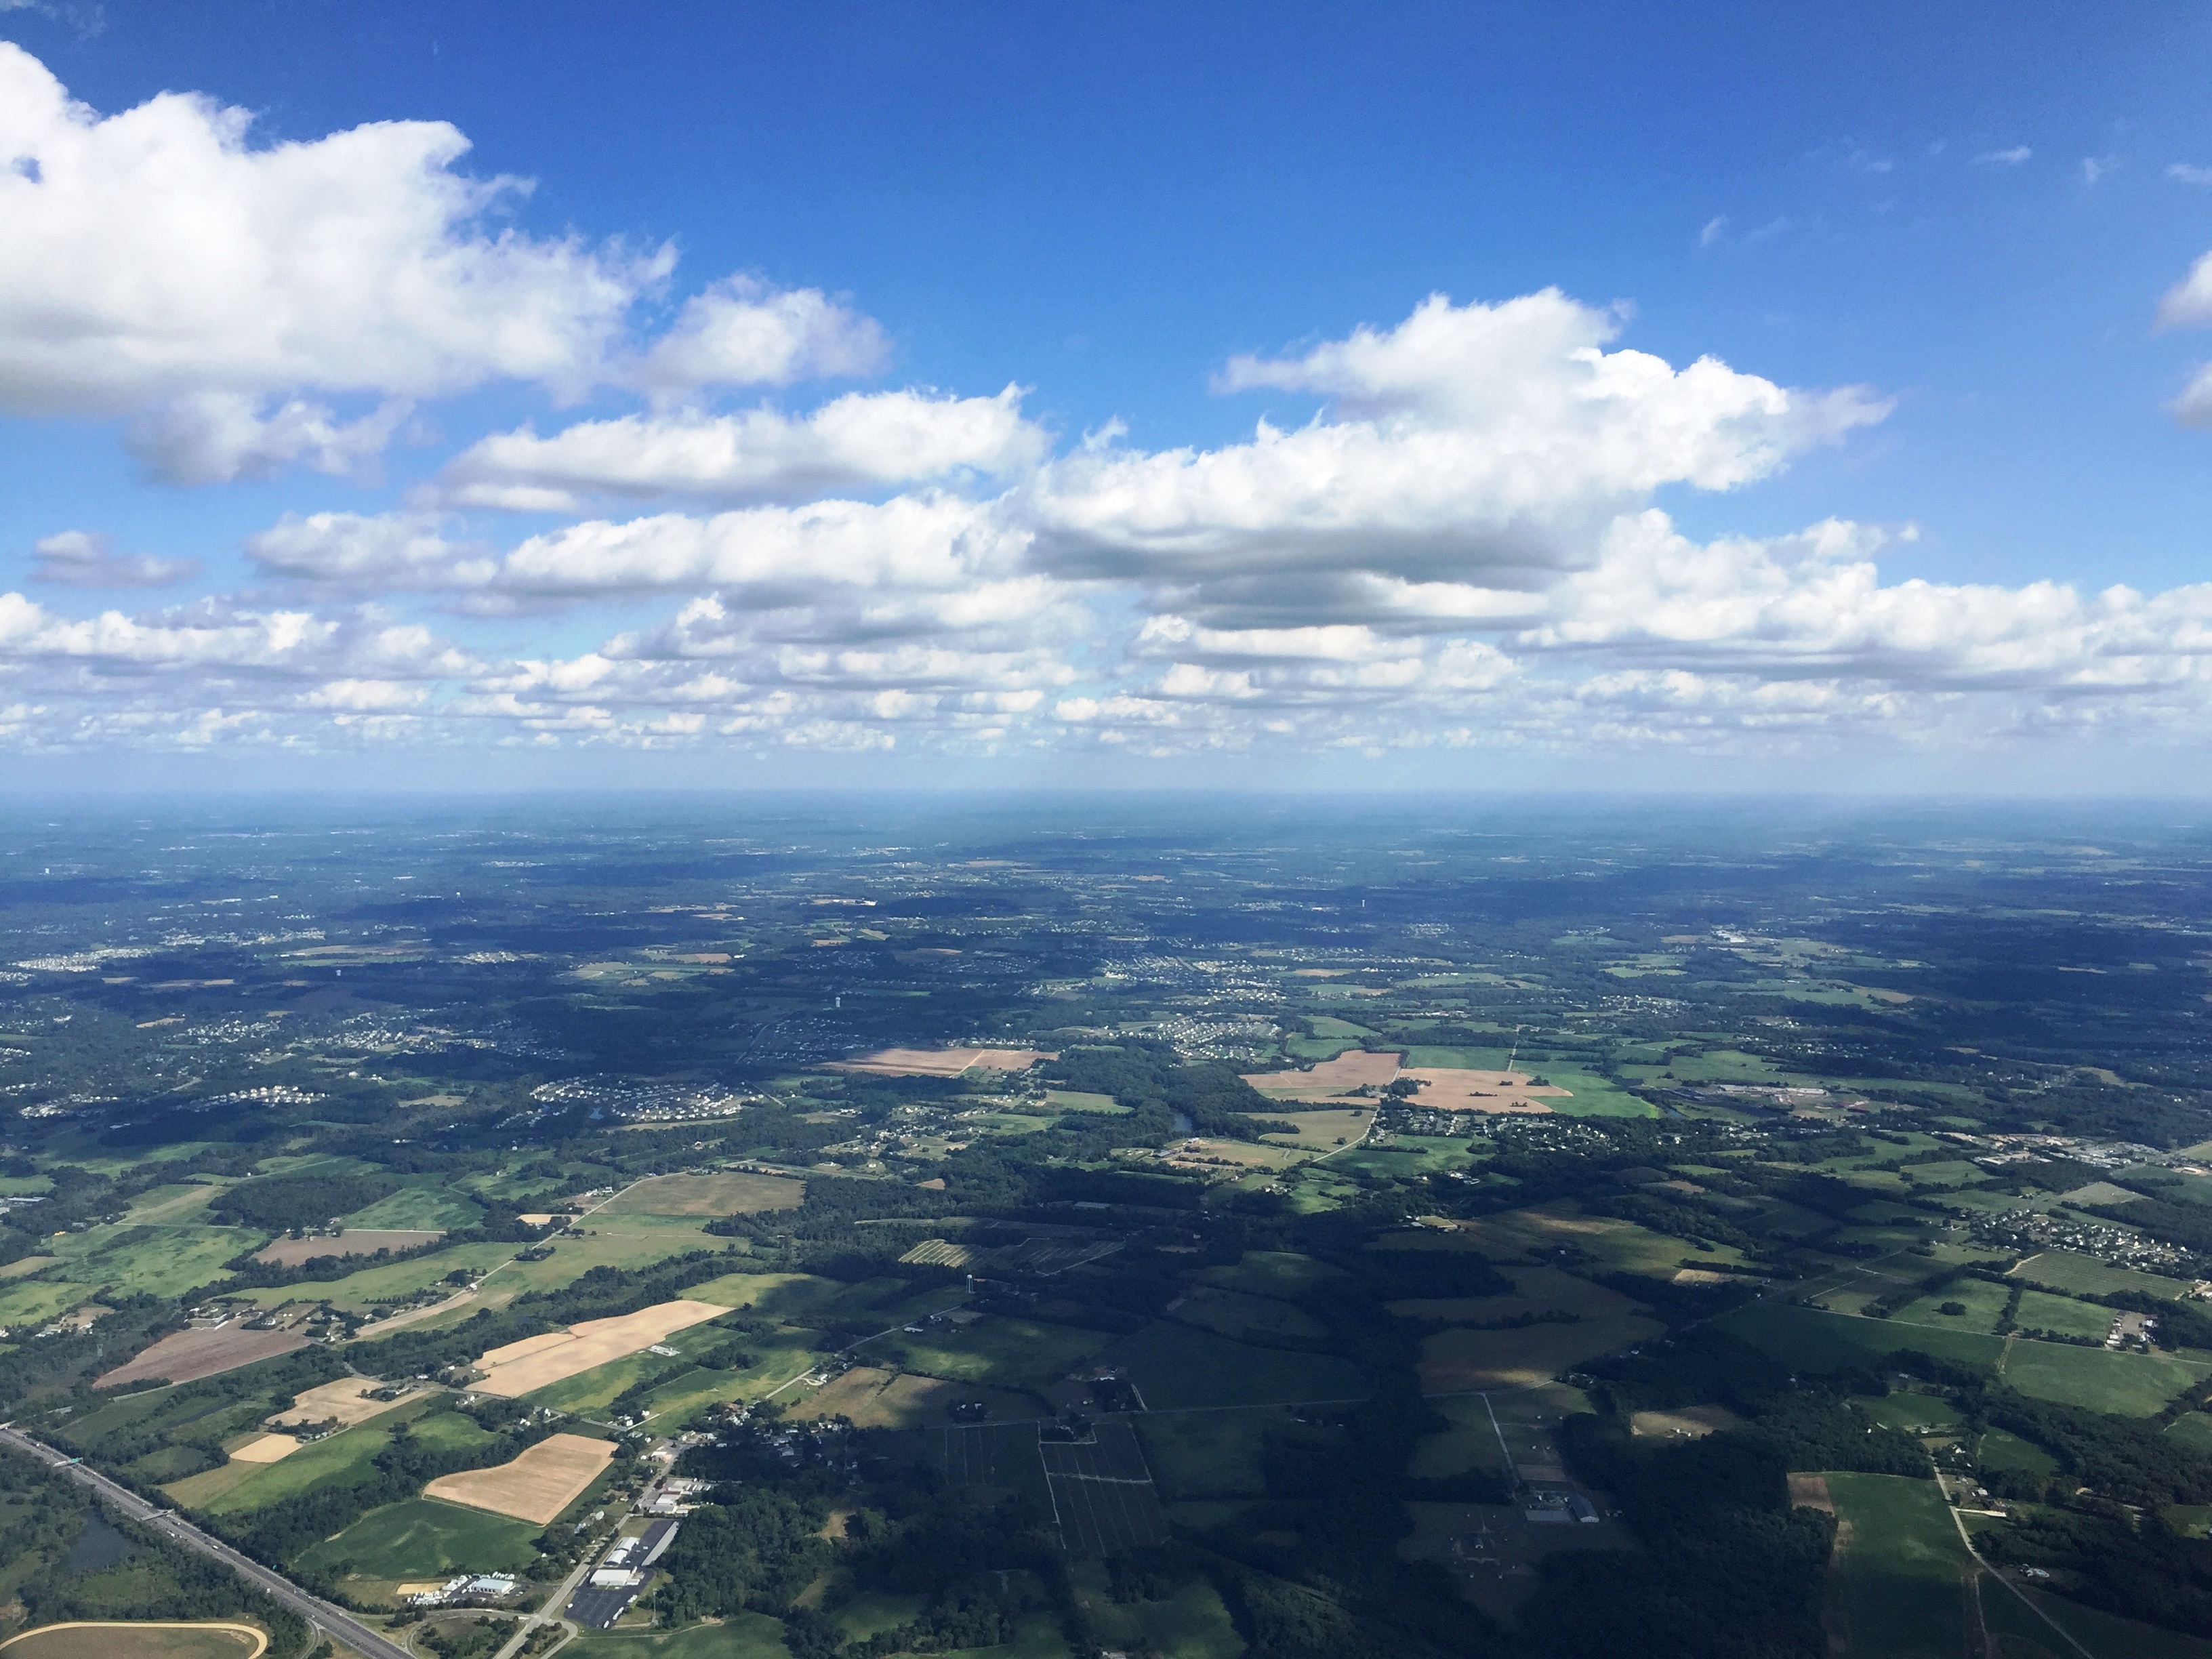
x: 1929, y: 246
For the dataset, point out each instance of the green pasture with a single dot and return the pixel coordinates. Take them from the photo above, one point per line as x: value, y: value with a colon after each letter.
x: 429, y: 1208
x: 1001, y: 1351
x: 2002, y: 1450
x: 1470, y: 1442
x: 1983, y: 1301
x: 1272, y: 1273
x: 2192, y: 1430
x: 772, y: 1294
x: 2062, y: 1270
x: 2126, y: 1384
x: 1202, y: 1455
x: 345, y: 1455
x: 35, y: 1301
x: 358, y: 1292
x: 742, y: 1636
x: 2039, y: 1310
x: 1233, y: 1314
x: 423, y: 1538
x: 2106, y: 1635
x: 1911, y: 1411
x: 1191, y: 1624
x: 1423, y: 1056
x: 1822, y: 1341
x: 1592, y: 1095
x: 1174, y: 1366
x: 1079, y: 1100
x: 1894, y: 1588
x: 155, y: 1260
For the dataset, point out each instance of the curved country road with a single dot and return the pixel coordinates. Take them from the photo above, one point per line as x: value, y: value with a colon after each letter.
x: 333, y: 1622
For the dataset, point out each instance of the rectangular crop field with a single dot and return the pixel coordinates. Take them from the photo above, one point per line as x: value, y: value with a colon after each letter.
x: 1462, y: 1089
x: 876, y: 1399
x: 423, y: 1537
x: 727, y: 1192
x: 188, y: 1356
x: 1320, y: 1131
x: 537, y: 1361
x: 1823, y: 1341
x: 1895, y: 1585
x: 1102, y: 1492
x: 2128, y: 1384
x: 941, y: 1062
x: 1327, y: 1079
x: 2063, y: 1271
x: 537, y: 1485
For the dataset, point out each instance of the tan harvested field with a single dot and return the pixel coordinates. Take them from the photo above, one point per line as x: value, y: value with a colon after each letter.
x: 1317, y: 1131
x: 28, y: 1265
x: 1456, y: 1361
x: 1684, y: 1422
x: 941, y: 1062
x: 136, y: 1639
x: 1457, y: 1088
x: 266, y: 1449
x: 1810, y: 1491
x: 347, y: 1400
x: 725, y: 1193
x: 536, y: 1486
x: 1328, y: 1078
x: 188, y: 1356
x: 291, y: 1252
x: 1535, y: 1291
x: 538, y: 1361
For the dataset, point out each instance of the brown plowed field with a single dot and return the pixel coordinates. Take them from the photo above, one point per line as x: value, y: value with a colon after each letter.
x: 536, y: 1486
x: 347, y: 1400
x: 1328, y: 1078
x: 1456, y: 1088
x: 291, y: 1252
x: 536, y: 1362
x: 187, y: 1356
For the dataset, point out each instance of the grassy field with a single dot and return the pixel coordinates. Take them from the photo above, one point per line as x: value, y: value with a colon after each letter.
x: 1007, y: 1353
x: 1893, y: 1589
x: 1590, y: 1095
x: 1545, y: 1229
x: 423, y: 1208
x: 2000, y: 1449
x: 2064, y: 1271
x: 423, y: 1538
x: 2129, y: 1384
x: 776, y: 1294
x: 1235, y: 1315
x: 2104, y: 1635
x: 1470, y: 1443
x: 1270, y: 1273
x: 163, y: 1260
x: 2193, y: 1430
x: 726, y: 1193
x: 1191, y: 1624
x: 1983, y: 1301
x: 1198, y: 1455
x: 343, y: 1455
x: 1421, y: 1056
x: 1174, y: 1366
x: 1821, y: 1342
x: 746, y: 1636
x: 2039, y: 1310
x: 35, y: 1301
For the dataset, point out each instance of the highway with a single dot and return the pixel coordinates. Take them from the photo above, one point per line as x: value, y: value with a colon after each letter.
x: 333, y: 1622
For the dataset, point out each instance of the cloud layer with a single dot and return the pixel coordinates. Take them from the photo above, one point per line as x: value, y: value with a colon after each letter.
x: 1455, y: 529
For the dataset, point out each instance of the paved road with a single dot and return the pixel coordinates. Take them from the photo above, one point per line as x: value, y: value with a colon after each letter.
x: 333, y: 1622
